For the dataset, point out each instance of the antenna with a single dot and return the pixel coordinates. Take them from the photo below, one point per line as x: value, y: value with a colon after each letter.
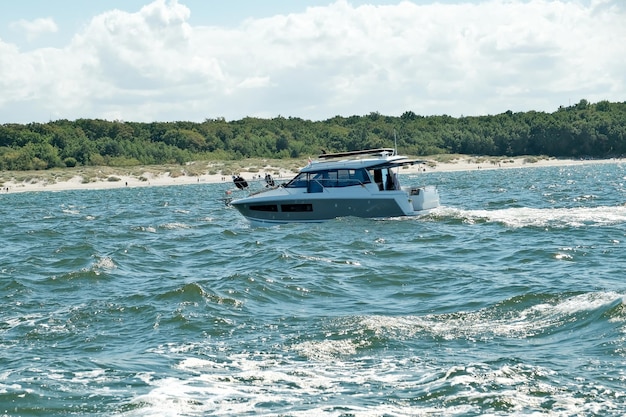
x: 395, y: 143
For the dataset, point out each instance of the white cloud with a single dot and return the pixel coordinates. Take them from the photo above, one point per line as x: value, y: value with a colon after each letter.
x: 33, y: 29
x: 467, y: 58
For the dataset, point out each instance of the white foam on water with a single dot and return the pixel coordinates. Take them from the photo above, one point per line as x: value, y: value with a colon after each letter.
x: 175, y: 226
x: 257, y: 384
x: 327, y: 349
x: 28, y: 320
x: 73, y: 210
x: 385, y: 386
x: 583, y: 302
x: 534, y: 217
x: 490, y: 322
x: 335, y: 379
x: 90, y: 376
x: 149, y: 229
x: 104, y: 262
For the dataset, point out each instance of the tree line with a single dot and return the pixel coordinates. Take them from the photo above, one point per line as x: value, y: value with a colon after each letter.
x: 581, y: 130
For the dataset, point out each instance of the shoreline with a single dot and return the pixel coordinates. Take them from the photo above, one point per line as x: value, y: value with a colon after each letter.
x: 101, y: 178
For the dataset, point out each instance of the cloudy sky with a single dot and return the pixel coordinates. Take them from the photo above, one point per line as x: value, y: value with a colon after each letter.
x: 165, y: 60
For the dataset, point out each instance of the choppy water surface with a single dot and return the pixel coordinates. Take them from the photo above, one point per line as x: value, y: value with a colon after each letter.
x: 509, y: 299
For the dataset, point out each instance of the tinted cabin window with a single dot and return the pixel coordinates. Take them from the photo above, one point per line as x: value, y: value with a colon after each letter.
x: 315, y: 186
x: 360, y: 176
x: 341, y: 177
x: 317, y: 181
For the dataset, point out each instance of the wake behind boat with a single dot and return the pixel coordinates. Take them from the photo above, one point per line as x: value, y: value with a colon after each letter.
x: 359, y: 183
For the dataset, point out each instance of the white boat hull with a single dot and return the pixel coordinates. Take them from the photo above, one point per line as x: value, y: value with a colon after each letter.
x: 330, y: 188
x: 279, y: 206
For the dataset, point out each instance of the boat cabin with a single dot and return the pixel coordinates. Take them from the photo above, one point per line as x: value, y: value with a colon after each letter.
x: 316, y: 181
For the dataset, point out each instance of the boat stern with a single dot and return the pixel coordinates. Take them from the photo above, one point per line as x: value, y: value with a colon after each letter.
x: 424, y: 198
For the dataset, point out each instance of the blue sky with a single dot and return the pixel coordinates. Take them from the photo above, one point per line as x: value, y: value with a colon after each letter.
x: 162, y: 60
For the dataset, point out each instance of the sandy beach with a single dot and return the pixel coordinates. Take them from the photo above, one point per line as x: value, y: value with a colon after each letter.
x: 97, y: 178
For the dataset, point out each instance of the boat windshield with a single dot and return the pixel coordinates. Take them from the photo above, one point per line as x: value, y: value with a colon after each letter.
x: 331, y: 178
x: 298, y: 182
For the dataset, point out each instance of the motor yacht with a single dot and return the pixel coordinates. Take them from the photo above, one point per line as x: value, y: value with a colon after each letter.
x: 359, y: 183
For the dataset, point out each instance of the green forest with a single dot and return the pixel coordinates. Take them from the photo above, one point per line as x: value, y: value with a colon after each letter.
x: 583, y: 130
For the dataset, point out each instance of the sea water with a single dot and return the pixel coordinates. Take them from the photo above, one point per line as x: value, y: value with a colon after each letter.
x: 163, y: 301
